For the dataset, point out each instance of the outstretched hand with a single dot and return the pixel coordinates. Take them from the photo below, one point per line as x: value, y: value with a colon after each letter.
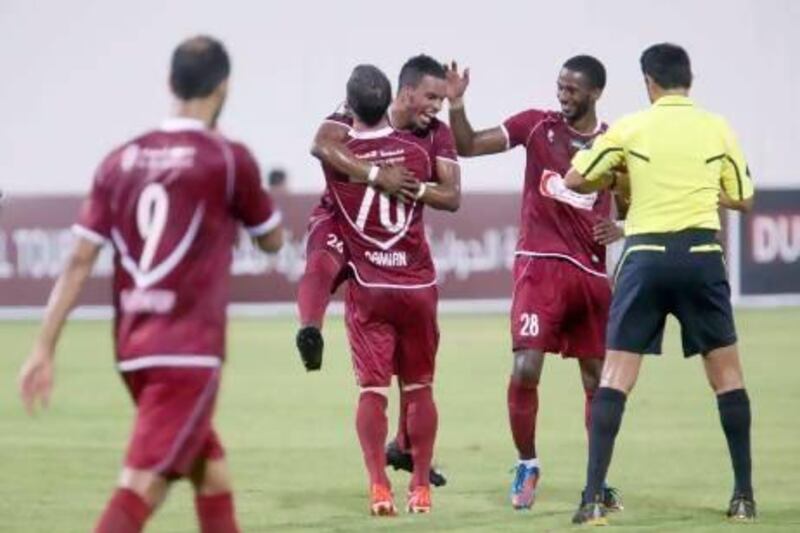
x: 456, y: 83
x: 36, y: 380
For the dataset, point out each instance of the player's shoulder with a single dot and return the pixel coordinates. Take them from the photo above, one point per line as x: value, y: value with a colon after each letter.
x: 531, y: 116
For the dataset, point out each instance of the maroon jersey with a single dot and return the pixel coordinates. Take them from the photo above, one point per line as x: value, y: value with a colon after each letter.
x: 436, y: 139
x: 555, y: 221
x: 384, y: 236
x: 170, y: 201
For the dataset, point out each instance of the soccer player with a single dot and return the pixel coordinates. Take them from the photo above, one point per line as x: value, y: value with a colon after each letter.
x: 683, y: 163
x: 561, y: 291
x: 169, y: 201
x: 391, y: 302
x: 422, y: 89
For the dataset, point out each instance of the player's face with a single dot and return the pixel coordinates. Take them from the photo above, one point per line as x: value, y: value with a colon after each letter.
x: 575, y: 94
x: 425, y: 100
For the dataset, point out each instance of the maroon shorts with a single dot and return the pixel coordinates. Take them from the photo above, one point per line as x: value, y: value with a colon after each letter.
x: 392, y: 331
x: 323, y: 237
x: 559, y: 308
x: 173, y: 428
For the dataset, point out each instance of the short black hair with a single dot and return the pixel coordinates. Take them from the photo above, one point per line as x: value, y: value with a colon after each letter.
x: 589, y: 66
x: 417, y: 68
x: 668, y: 65
x: 369, y: 93
x: 199, y: 65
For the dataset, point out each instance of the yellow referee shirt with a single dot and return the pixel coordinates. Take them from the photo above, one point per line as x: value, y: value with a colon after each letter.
x: 678, y: 157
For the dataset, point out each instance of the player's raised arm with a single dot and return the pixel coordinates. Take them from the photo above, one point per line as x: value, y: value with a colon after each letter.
x: 469, y: 142
x: 329, y: 147
x: 36, y: 375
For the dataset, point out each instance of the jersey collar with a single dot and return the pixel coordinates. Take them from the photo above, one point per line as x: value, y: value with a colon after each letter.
x: 674, y: 100
x: 371, y: 134
x: 181, y: 124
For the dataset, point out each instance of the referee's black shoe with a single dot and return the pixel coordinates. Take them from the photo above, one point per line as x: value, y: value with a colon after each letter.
x: 402, y: 460
x: 310, y: 344
x: 742, y: 508
x: 591, y: 513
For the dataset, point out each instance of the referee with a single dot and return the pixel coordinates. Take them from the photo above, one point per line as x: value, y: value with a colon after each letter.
x: 683, y: 163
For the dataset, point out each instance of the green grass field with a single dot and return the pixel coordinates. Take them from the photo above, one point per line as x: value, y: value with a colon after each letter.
x: 297, y: 467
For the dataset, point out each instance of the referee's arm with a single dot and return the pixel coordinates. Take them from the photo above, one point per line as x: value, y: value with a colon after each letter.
x: 735, y: 181
x: 592, y: 169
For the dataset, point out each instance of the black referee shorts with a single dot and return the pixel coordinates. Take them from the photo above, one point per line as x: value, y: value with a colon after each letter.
x: 680, y: 273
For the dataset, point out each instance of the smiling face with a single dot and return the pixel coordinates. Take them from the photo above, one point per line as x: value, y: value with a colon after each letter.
x: 576, y: 94
x: 424, y: 101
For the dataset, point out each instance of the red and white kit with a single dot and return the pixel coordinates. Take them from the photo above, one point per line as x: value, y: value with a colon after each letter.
x: 170, y: 201
x: 391, y: 306
x: 561, y: 291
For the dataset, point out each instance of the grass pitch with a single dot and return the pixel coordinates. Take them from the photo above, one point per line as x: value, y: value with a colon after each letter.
x: 292, y: 445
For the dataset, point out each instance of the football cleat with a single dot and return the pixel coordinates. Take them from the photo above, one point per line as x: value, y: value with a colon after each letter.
x: 419, y: 500
x: 742, y: 508
x: 402, y: 460
x: 309, y: 344
x: 523, y: 489
x: 612, y: 500
x: 381, y: 501
x: 590, y: 514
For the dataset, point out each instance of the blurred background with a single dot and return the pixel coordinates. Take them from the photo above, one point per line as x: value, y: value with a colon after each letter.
x: 83, y: 76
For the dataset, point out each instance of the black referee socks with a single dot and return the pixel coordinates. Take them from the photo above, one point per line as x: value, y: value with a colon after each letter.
x: 607, y: 408
x: 734, y: 413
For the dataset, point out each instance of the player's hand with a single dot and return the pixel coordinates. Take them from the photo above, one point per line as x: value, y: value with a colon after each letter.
x: 456, y: 83
x: 606, y: 231
x: 36, y: 380
x: 410, y: 191
x: 392, y: 179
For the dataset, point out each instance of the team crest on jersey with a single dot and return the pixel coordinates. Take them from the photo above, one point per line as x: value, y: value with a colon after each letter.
x: 551, y: 185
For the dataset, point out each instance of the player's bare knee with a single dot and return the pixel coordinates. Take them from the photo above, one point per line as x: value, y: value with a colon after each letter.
x: 620, y: 370
x: 149, y: 485
x: 211, y: 477
x: 723, y: 369
x: 591, y: 372
x: 528, y: 366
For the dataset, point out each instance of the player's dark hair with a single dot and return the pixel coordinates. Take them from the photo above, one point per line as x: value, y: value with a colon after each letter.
x: 668, y: 65
x: 589, y: 66
x: 369, y: 93
x: 417, y: 68
x: 199, y: 65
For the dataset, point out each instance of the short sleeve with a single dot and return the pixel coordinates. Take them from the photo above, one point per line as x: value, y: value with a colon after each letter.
x: 735, y: 174
x: 444, y: 146
x: 94, y: 219
x: 251, y: 204
x: 518, y: 127
x: 606, y: 152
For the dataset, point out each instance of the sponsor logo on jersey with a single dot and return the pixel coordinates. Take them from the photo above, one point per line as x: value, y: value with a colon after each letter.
x: 551, y: 185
